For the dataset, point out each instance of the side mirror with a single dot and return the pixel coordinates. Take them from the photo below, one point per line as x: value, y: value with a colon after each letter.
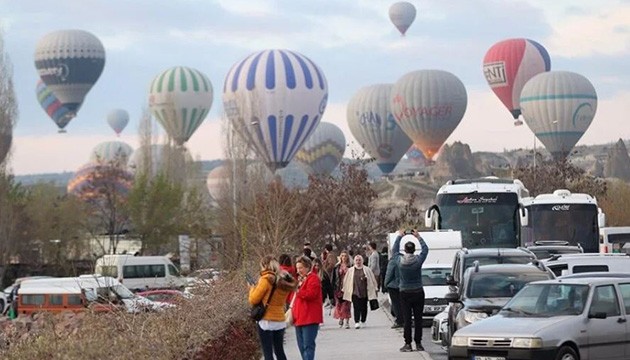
x: 452, y: 297
x: 450, y: 280
x: 597, y: 315
x: 601, y: 220
x: 431, y: 218
x: 524, y: 216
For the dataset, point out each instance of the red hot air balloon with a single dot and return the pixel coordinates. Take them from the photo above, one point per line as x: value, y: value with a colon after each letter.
x: 509, y: 64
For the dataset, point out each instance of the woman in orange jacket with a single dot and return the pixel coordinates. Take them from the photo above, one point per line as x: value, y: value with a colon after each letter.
x: 271, y: 327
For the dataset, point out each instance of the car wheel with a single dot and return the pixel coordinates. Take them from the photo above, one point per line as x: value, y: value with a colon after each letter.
x: 566, y: 353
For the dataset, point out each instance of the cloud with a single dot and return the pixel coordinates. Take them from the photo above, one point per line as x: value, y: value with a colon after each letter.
x: 249, y: 8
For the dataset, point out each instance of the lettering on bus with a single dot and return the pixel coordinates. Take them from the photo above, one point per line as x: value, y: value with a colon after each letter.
x: 565, y: 207
x: 478, y: 200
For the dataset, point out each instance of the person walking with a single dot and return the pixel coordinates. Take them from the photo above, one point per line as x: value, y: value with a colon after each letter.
x: 374, y: 262
x: 329, y: 260
x: 307, y: 309
x: 272, y: 288
x: 323, y: 277
x: 342, y: 310
x: 383, y: 259
x: 391, y: 283
x: 411, y: 290
x: 359, y: 286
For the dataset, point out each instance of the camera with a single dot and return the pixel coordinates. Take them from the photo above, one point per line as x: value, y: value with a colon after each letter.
x: 408, y: 231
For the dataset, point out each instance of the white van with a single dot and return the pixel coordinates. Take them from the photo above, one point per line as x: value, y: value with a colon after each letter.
x: 443, y: 244
x: 141, y: 272
x: 568, y: 264
x: 614, y: 239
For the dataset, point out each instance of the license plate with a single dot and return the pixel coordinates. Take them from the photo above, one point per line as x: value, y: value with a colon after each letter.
x: 488, y: 358
x: 433, y: 308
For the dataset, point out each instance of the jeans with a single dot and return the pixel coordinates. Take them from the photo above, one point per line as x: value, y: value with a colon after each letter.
x: 306, y: 336
x: 360, y: 307
x: 394, y: 295
x: 412, y: 303
x: 271, y: 342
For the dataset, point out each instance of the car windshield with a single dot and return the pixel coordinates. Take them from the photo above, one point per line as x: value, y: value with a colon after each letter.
x: 496, y: 285
x: 434, y: 277
x: 545, y: 300
x: 493, y: 260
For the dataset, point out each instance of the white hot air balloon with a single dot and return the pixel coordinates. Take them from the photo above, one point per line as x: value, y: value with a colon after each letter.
x: 218, y: 181
x: 323, y: 151
x: 111, y: 151
x: 402, y: 14
x: 428, y: 105
x: 372, y: 123
x: 117, y: 120
x: 275, y: 99
x: 180, y: 98
x: 558, y: 106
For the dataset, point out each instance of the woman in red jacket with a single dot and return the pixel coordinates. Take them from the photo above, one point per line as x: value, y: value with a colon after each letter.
x: 307, y: 309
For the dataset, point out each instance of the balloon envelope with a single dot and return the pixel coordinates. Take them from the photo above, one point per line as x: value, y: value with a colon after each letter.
x: 92, y: 182
x: 218, y: 181
x: 180, y: 98
x: 53, y: 107
x: 70, y: 62
x: 118, y: 120
x: 111, y: 152
x: 559, y: 106
x: 323, y: 151
x: 275, y: 100
x: 428, y: 105
x: 402, y: 14
x: 416, y: 156
x: 372, y: 123
x: 509, y: 64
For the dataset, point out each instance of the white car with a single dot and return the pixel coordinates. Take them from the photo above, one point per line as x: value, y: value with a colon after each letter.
x: 435, y: 289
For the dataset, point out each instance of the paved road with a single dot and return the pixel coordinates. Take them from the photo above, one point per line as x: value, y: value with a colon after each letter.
x: 376, y: 341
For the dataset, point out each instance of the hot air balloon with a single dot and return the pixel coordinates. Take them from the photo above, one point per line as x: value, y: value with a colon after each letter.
x: 275, y: 99
x: 70, y: 62
x: 111, y: 152
x: 94, y: 182
x: 558, y: 106
x: 372, y: 123
x: 117, y: 120
x: 428, y: 105
x: 323, y: 151
x: 509, y: 64
x: 157, y: 159
x: 180, y: 98
x: 402, y: 14
x: 218, y: 181
x: 57, y: 112
x: 416, y: 156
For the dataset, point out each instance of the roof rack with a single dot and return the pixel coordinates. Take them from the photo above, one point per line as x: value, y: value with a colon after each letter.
x: 551, y: 242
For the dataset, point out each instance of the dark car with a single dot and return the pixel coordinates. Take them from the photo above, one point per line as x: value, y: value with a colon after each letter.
x: 485, y: 289
x: 465, y: 258
x: 547, y: 249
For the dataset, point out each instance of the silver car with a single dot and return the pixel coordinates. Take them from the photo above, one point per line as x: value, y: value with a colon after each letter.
x: 564, y: 319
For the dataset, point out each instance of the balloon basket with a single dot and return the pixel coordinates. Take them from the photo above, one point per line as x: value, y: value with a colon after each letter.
x: 518, y: 122
x: 61, y: 131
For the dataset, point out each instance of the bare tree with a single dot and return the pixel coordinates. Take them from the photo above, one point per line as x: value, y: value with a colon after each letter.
x: 8, y: 103
x: 547, y: 176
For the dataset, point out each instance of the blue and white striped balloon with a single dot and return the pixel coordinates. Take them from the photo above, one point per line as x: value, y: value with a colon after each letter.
x: 275, y: 99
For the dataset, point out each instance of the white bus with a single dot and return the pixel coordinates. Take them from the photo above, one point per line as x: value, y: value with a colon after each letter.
x: 141, y: 272
x: 614, y: 239
x: 487, y: 211
x: 563, y: 216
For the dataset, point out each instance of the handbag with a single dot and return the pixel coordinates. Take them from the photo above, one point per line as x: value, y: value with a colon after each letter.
x: 374, y: 304
x: 288, y: 315
x: 258, y: 311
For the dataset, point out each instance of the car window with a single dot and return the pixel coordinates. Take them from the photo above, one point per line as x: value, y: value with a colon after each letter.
x: 74, y: 299
x: 500, y: 285
x: 557, y: 269
x: 33, y: 299
x: 55, y: 299
x: 172, y: 270
x: 589, y: 268
x: 433, y: 277
x: 625, y: 293
x: 605, y: 301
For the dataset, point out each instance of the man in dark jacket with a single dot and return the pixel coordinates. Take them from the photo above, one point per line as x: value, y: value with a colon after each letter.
x: 391, y: 283
x: 411, y: 290
x: 382, y: 259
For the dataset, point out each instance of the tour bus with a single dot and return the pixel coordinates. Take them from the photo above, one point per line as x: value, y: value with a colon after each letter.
x: 140, y: 273
x: 76, y: 294
x: 487, y: 211
x: 614, y: 239
x: 563, y: 216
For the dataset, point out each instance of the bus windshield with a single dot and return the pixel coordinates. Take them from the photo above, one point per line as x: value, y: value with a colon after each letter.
x: 574, y: 223
x: 485, y: 219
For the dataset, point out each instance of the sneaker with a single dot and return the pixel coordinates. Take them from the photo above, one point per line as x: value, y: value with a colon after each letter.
x: 347, y: 325
x: 357, y: 326
x: 362, y: 324
x: 341, y: 323
x: 406, y: 348
x: 419, y: 347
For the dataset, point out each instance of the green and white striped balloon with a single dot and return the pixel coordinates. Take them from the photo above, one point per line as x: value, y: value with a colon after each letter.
x: 180, y: 98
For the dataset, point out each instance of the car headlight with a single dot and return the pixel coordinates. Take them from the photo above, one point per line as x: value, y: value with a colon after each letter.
x: 472, y: 316
x: 527, y: 343
x: 459, y: 341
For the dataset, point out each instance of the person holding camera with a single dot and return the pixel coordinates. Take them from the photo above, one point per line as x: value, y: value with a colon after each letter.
x: 410, y: 287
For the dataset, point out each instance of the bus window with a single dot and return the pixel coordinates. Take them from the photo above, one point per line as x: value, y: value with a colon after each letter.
x: 33, y: 299
x: 589, y: 268
x: 74, y: 299
x: 55, y: 299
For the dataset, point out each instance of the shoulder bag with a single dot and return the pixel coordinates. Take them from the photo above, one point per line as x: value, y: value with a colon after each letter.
x: 258, y: 311
x: 288, y: 315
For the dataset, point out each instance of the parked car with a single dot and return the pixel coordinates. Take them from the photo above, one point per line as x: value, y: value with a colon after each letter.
x: 485, y: 289
x: 568, y: 319
x: 435, y: 289
x: 579, y: 263
x: 465, y: 258
x: 546, y: 249
x: 165, y: 296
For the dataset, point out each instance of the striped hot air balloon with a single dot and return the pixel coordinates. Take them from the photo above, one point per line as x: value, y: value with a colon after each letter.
x: 323, y: 151
x: 70, y: 62
x: 509, y: 64
x: 53, y: 107
x: 275, y: 99
x: 559, y: 106
x: 111, y: 152
x: 372, y: 123
x: 180, y: 98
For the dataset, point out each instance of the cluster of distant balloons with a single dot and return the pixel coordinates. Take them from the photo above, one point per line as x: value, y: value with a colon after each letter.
x: 275, y: 99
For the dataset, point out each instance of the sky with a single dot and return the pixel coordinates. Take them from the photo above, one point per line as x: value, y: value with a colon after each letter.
x: 352, y: 41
